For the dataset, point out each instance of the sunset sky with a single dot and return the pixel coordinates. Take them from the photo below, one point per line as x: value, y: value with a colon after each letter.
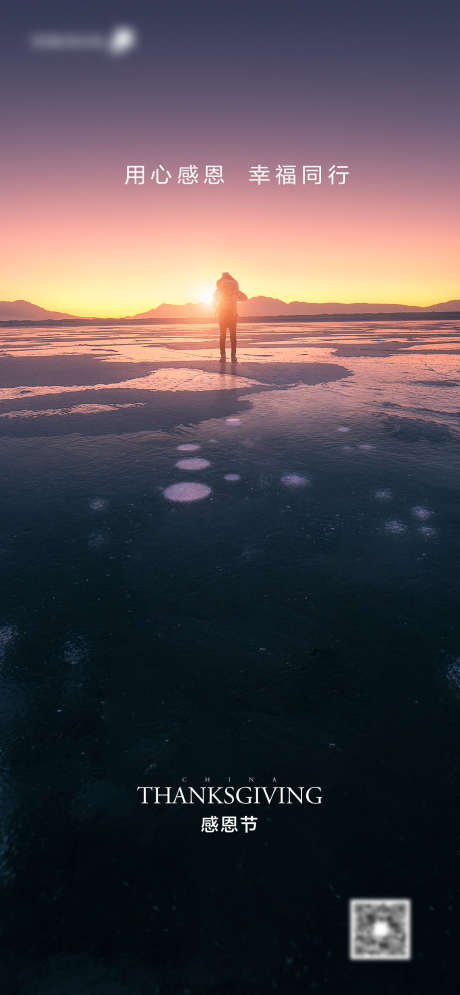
x: 371, y: 86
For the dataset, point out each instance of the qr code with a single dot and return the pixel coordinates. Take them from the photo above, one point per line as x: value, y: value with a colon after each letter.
x: 380, y: 929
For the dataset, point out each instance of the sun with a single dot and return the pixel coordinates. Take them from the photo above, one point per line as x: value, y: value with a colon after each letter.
x: 205, y: 295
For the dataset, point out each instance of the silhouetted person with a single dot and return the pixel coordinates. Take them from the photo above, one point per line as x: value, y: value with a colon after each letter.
x: 225, y: 301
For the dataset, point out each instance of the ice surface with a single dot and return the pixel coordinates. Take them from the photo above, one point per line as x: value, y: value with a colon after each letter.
x: 255, y: 600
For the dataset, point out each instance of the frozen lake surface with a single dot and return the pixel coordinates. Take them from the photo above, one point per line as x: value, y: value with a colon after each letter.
x: 226, y: 572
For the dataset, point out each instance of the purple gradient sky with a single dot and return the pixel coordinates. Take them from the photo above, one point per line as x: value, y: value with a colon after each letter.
x: 377, y: 90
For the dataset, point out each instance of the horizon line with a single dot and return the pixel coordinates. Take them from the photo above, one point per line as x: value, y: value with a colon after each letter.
x: 208, y: 307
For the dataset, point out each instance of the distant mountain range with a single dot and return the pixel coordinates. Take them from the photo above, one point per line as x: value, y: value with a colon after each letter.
x: 254, y: 307
x: 261, y: 306
x: 25, y: 311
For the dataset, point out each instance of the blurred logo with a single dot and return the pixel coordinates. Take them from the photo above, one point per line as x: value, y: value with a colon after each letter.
x: 119, y: 41
x: 122, y: 39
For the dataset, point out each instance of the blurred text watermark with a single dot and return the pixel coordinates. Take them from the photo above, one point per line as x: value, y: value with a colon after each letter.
x: 118, y: 41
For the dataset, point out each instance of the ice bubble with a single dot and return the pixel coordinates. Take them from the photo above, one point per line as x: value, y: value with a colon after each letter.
x: 233, y: 421
x: 427, y: 532
x: 395, y: 527
x: 98, y: 504
x: 232, y: 477
x: 75, y: 651
x: 7, y: 634
x: 188, y: 447
x: 186, y: 491
x: 195, y: 463
x: 96, y: 540
x: 383, y: 494
x: 343, y: 428
x: 423, y: 514
x: 453, y: 673
x: 295, y: 480
x: 366, y: 446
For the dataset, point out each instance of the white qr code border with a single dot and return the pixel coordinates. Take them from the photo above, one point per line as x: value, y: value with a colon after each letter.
x: 373, y: 958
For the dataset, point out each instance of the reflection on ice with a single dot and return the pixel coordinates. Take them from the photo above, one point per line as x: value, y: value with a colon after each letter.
x: 185, y: 492
x: 195, y: 463
x: 232, y: 477
x: 163, y: 379
x: 188, y: 447
x: 76, y: 409
x: 233, y: 421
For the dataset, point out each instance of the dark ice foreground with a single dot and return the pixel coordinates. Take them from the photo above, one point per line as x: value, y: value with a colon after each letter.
x: 227, y: 573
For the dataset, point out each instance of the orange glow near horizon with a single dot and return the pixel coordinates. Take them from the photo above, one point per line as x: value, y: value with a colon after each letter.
x: 98, y: 250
